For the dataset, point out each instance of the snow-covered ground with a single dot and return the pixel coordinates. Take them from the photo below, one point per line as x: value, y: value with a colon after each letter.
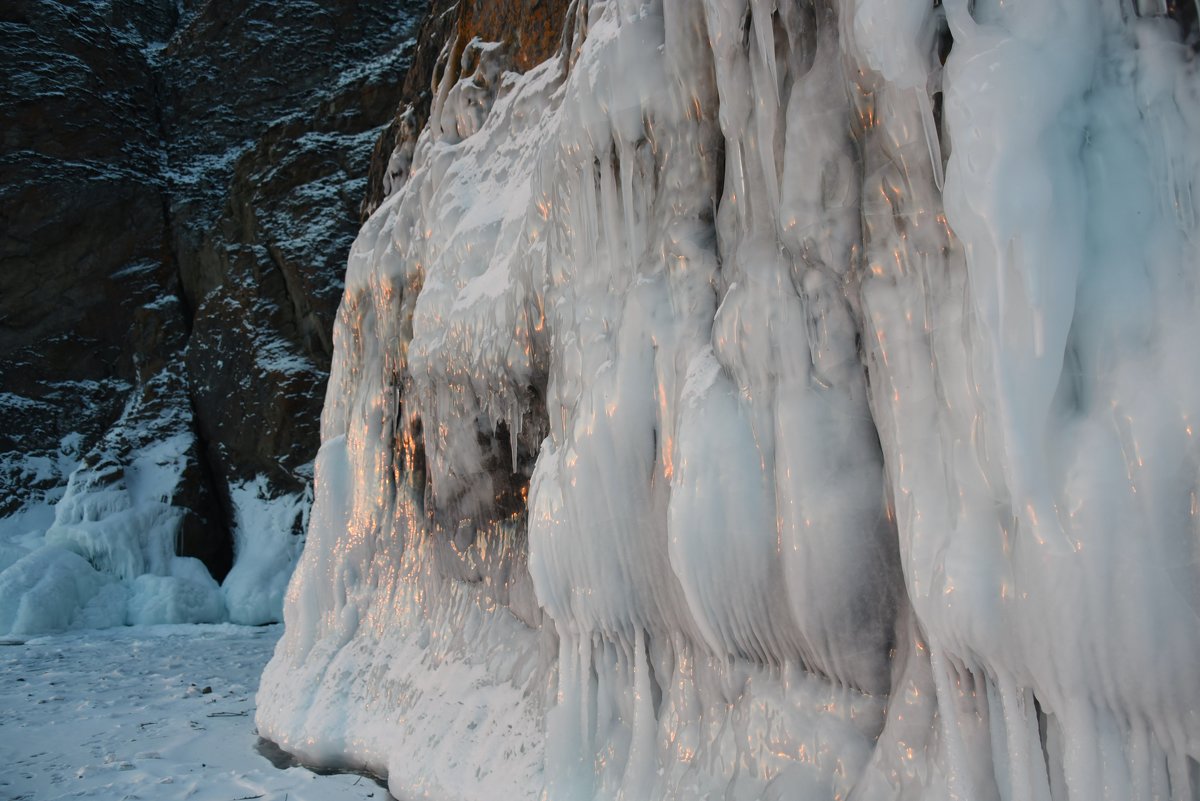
x: 152, y: 712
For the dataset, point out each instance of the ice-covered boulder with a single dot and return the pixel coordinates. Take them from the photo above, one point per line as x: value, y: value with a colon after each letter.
x: 53, y: 588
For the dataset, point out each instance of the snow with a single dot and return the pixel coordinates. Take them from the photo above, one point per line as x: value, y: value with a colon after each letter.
x: 162, y: 712
x: 200, y: 167
x: 858, y: 420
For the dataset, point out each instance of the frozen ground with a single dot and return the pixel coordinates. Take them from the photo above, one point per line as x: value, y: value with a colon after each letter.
x: 123, y: 714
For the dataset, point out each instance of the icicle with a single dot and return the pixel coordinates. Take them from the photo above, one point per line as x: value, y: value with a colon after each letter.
x: 767, y: 107
x: 638, y: 778
x: 514, y: 430
x: 762, y: 12
x: 931, y: 137
x: 610, y: 218
x: 628, y: 166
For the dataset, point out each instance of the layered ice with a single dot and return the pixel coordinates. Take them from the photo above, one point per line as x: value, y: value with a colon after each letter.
x: 771, y: 400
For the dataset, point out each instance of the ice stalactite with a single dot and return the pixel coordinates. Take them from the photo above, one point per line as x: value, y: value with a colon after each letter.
x: 1022, y: 370
x: 771, y: 400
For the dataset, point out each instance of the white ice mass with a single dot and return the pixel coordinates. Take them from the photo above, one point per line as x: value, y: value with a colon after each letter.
x: 780, y: 400
x: 101, y: 552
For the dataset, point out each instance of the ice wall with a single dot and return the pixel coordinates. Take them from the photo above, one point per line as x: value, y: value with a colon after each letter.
x: 772, y: 400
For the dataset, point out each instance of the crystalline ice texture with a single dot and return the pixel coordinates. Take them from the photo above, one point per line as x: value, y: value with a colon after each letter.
x: 848, y: 352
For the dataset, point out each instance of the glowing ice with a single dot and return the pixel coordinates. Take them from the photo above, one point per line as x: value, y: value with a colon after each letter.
x: 686, y: 438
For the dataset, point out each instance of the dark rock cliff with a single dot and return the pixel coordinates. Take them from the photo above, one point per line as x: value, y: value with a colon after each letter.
x: 179, y: 186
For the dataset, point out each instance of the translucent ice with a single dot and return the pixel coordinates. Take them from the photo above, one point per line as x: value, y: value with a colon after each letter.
x: 771, y: 400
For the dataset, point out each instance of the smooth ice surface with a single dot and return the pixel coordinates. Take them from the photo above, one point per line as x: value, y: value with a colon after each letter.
x: 123, y: 714
x: 771, y: 400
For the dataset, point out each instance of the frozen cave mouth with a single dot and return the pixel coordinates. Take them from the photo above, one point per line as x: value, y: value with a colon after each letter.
x: 770, y: 401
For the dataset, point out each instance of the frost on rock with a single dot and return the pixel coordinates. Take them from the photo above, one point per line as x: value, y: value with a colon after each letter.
x: 771, y: 400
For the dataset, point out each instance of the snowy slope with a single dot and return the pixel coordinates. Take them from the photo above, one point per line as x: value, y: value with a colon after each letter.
x: 771, y: 402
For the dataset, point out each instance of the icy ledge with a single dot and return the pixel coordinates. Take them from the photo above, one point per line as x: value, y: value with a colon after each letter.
x: 686, y: 439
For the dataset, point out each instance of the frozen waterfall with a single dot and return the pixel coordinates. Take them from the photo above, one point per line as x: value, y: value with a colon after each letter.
x: 780, y: 400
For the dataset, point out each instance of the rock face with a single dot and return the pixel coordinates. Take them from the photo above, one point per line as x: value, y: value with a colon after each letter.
x: 179, y: 186
x: 268, y: 155
x: 91, y: 329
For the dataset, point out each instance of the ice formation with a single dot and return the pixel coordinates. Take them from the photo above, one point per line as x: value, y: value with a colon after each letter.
x: 102, y: 552
x: 266, y: 548
x: 771, y: 400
